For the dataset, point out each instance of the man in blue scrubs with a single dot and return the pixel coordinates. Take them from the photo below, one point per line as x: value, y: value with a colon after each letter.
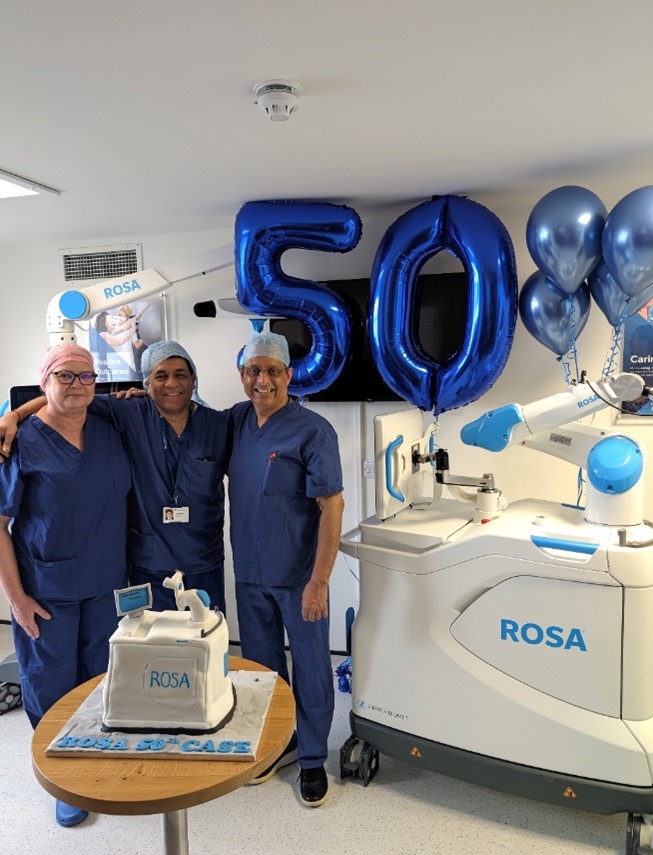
x: 178, y: 454
x: 286, y: 505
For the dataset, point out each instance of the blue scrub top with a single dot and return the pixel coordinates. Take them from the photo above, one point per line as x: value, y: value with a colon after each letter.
x: 173, y: 472
x: 70, y: 510
x: 275, y: 474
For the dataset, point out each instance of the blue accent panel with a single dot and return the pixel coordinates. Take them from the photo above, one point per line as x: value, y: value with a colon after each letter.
x: 396, y: 494
x: 614, y: 465
x: 73, y: 305
x: 566, y: 545
x: 4, y: 407
x: 204, y: 597
x: 492, y: 430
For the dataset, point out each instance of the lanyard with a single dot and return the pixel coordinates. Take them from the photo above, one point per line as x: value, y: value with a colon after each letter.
x: 174, y: 461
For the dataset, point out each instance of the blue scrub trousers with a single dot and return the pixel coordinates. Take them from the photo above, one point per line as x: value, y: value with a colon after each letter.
x: 263, y: 613
x: 72, y: 647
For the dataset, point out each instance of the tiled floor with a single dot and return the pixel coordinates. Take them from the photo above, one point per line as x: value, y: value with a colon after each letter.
x: 404, y: 811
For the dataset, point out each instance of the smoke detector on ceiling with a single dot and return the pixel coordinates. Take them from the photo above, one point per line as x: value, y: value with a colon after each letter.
x: 278, y: 98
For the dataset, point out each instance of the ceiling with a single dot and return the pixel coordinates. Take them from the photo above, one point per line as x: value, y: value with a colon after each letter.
x: 141, y: 112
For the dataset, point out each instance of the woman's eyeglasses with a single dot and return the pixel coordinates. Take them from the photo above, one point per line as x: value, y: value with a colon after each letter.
x: 67, y: 378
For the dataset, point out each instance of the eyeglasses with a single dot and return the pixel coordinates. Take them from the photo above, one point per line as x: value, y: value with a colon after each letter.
x: 67, y: 378
x: 255, y: 371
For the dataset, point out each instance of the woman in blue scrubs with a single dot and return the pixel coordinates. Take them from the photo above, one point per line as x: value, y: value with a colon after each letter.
x: 63, y: 530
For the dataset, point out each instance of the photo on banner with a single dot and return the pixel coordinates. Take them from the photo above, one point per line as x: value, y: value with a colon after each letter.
x: 638, y: 357
x: 119, y: 337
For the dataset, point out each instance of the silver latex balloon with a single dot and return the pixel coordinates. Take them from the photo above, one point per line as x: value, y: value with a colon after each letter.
x: 628, y: 241
x: 563, y: 234
x: 554, y: 318
x: 609, y: 297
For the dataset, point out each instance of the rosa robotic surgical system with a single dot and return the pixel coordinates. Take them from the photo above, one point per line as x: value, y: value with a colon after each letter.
x: 510, y: 645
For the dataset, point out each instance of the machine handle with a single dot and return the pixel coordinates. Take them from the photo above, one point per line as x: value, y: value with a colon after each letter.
x: 395, y: 493
x: 348, y: 544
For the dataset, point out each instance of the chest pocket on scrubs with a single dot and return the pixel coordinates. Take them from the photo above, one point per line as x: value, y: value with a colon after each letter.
x: 201, y: 476
x: 284, y: 477
x: 121, y: 473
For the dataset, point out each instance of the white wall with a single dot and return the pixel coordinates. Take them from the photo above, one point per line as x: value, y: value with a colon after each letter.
x: 30, y: 276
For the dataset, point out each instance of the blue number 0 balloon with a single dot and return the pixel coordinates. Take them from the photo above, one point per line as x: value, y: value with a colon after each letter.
x: 263, y: 232
x: 482, y: 244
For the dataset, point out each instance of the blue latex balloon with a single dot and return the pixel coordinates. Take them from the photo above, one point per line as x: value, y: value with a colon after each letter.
x: 554, y: 318
x: 628, y: 241
x: 479, y: 239
x: 263, y: 232
x: 609, y: 297
x: 563, y: 234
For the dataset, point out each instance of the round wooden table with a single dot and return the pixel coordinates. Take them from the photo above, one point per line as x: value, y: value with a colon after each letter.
x: 141, y: 786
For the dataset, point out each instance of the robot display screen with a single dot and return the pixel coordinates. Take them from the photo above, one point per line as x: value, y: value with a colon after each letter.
x: 134, y: 599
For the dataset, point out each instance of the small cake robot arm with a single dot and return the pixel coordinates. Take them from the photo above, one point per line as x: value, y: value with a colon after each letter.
x: 194, y: 599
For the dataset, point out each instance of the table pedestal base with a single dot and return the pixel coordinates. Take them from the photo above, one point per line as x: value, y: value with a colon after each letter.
x: 175, y: 832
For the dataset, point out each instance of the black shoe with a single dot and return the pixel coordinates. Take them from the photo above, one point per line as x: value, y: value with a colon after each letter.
x: 289, y: 756
x: 313, y: 786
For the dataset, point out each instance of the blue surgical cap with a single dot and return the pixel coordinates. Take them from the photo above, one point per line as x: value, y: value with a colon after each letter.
x: 159, y: 352
x: 266, y: 344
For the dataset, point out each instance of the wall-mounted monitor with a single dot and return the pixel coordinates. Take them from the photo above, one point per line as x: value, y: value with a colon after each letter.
x: 440, y: 318
x: 21, y: 394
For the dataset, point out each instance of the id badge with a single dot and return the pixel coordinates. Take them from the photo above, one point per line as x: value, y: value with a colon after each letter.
x: 176, y: 515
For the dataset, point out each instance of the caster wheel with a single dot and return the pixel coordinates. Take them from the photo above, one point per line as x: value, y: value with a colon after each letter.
x: 633, y: 829
x: 368, y: 763
x: 349, y: 758
x: 10, y: 697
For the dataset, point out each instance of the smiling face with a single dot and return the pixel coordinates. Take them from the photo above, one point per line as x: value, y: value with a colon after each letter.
x: 171, y: 385
x: 267, y: 393
x: 72, y: 399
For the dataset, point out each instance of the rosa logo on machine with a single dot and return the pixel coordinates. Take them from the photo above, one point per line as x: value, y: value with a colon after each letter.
x: 550, y: 636
x: 122, y: 288
x: 586, y: 401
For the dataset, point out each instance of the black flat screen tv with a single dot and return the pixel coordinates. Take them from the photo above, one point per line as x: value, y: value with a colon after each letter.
x: 440, y: 318
x: 21, y: 394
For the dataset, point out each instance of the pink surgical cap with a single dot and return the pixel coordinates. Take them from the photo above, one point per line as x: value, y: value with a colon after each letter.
x: 59, y: 354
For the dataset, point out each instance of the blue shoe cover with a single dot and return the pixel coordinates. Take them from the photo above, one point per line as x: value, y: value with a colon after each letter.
x: 69, y: 816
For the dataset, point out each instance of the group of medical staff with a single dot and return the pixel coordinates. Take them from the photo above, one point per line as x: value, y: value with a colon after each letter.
x: 85, y: 494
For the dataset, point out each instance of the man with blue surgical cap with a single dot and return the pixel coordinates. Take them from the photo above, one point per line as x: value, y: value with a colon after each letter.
x: 178, y: 454
x: 286, y: 505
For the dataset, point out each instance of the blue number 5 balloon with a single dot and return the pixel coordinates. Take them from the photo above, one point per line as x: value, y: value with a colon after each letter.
x: 263, y: 232
x: 479, y: 239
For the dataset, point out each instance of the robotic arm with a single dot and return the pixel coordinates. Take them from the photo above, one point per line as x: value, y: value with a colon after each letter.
x: 77, y: 305
x: 513, y: 424
x: 614, y: 462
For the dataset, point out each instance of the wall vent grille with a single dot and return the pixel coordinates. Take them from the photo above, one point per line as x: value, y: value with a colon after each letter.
x: 94, y: 264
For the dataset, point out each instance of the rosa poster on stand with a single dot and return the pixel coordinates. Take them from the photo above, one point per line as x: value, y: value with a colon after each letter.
x: 638, y: 355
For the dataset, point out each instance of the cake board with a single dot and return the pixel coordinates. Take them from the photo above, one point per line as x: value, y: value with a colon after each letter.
x: 237, y: 740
